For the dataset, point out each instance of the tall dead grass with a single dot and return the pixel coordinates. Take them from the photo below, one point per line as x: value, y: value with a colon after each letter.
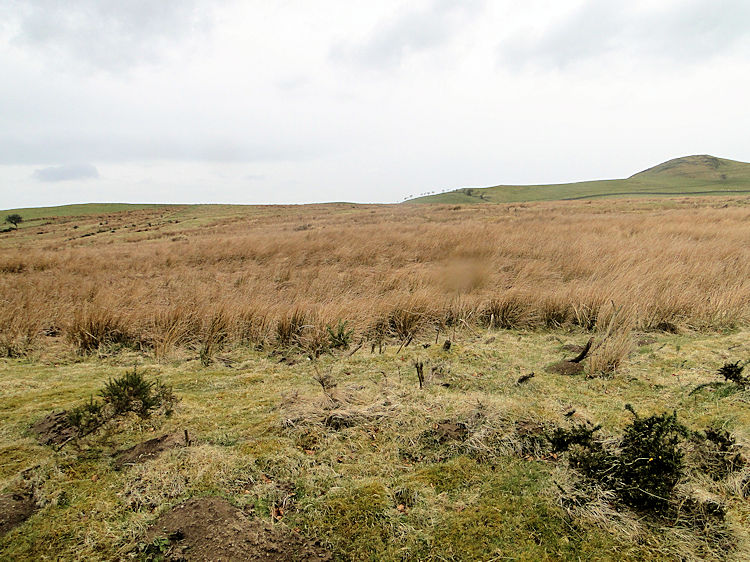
x: 390, y: 271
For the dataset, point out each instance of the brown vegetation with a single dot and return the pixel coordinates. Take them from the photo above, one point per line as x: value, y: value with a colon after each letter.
x: 251, y: 276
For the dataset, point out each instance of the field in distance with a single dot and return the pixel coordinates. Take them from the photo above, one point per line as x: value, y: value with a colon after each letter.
x: 690, y: 175
x: 538, y: 381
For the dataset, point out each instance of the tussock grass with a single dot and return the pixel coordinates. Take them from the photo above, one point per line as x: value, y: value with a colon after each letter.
x: 615, y: 332
x: 674, y: 265
x: 21, y: 328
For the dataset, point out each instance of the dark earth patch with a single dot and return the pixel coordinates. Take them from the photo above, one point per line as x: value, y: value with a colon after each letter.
x: 449, y: 431
x: 210, y: 528
x: 14, y: 510
x: 565, y: 368
x: 54, y: 429
x: 150, y: 449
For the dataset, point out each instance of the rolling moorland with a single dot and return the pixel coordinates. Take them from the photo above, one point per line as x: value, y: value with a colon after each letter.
x: 689, y: 175
x: 539, y: 380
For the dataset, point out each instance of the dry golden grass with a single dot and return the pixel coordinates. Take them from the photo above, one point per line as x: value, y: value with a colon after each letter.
x: 265, y: 275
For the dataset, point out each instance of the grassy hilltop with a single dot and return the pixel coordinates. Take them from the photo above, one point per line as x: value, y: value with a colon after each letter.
x: 690, y: 175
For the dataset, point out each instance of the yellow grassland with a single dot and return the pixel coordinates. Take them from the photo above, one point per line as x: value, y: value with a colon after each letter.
x: 146, y: 278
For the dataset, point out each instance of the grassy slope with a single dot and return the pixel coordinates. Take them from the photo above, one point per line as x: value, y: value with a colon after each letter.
x: 691, y: 175
x: 82, y: 209
x: 349, y: 482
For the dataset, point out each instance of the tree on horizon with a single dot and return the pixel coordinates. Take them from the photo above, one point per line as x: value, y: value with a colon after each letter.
x: 15, y: 219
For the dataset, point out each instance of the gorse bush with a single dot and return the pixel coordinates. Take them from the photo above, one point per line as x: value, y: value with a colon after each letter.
x: 580, y: 434
x: 339, y: 337
x: 732, y: 372
x: 86, y: 418
x: 130, y: 393
x: 642, y: 469
x: 651, y: 460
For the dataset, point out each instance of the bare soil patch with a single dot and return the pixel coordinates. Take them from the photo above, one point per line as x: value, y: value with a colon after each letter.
x: 150, y: 449
x: 565, y: 368
x: 14, y: 510
x: 450, y: 431
x: 54, y: 429
x: 212, y: 529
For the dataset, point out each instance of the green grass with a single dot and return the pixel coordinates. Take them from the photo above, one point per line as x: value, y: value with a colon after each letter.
x: 691, y: 175
x: 83, y: 209
x: 375, y: 490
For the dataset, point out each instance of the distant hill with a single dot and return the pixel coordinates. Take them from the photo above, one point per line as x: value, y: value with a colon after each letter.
x: 80, y: 209
x: 689, y: 175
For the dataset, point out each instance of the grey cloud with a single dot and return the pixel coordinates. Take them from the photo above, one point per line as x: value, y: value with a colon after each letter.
x: 66, y: 173
x: 112, y: 148
x: 408, y: 32
x: 105, y: 34
x: 685, y: 32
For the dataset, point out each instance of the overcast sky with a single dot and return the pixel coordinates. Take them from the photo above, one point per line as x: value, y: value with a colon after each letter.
x: 295, y: 101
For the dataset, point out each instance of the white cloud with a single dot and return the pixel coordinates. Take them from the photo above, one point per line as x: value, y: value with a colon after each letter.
x: 245, y: 101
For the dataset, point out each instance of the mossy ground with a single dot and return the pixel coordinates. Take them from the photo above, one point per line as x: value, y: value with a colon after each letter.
x: 379, y: 488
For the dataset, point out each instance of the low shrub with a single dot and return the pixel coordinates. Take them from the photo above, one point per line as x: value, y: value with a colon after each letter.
x: 642, y: 469
x: 651, y: 460
x: 130, y: 393
x: 339, y: 337
x: 732, y: 372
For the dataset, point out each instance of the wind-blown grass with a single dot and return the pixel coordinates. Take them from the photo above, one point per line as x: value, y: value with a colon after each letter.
x: 155, y: 281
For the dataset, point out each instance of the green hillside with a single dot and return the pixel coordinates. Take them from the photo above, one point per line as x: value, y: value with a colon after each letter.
x: 690, y: 175
x: 31, y: 213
